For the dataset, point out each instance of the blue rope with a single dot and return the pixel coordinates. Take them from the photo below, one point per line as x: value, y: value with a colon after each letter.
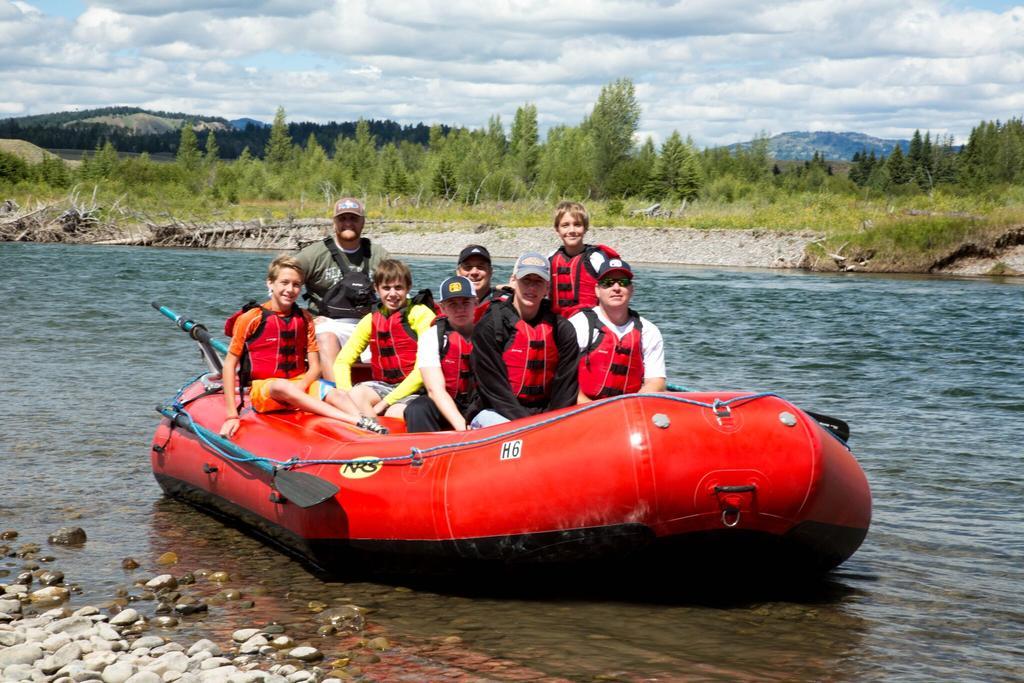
x: 235, y: 458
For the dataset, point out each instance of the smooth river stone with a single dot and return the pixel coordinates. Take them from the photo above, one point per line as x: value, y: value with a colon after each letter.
x: 50, y: 594
x: 67, y: 535
x: 306, y: 654
x: 26, y: 653
x: 124, y: 617
x: 162, y: 582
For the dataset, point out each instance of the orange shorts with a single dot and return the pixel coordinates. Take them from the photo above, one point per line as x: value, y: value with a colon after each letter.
x: 259, y: 394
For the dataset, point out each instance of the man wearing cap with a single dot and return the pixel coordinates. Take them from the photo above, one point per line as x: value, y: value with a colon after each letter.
x: 339, y: 287
x: 620, y: 351
x: 524, y: 356
x: 475, y: 266
x: 443, y: 362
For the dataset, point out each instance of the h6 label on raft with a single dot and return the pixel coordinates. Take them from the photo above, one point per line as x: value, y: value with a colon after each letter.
x: 510, y: 450
x: 361, y: 468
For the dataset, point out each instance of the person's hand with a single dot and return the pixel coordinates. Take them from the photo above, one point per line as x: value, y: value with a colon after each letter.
x: 460, y: 426
x: 381, y: 407
x: 230, y: 426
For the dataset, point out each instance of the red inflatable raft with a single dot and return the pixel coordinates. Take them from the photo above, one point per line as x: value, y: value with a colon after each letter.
x: 653, y: 477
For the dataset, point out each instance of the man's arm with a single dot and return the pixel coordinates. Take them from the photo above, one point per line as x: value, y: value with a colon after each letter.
x: 565, y: 387
x: 490, y: 371
x: 654, y: 358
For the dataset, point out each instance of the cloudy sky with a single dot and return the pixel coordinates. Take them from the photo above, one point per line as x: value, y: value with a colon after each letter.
x: 719, y: 70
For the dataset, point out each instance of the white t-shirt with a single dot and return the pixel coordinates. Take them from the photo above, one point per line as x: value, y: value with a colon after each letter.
x: 650, y: 339
x: 428, y: 354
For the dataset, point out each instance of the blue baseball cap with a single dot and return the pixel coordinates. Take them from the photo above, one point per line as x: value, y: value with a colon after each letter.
x: 456, y: 287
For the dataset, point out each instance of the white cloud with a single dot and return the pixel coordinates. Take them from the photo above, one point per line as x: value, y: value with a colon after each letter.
x: 720, y: 70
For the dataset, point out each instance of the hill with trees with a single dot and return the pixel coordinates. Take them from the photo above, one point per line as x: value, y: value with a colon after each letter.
x: 132, y: 129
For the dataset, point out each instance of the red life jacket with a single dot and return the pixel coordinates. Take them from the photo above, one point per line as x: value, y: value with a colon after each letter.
x: 573, y: 279
x: 392, y: 345
x: 496, y: 294
x: 481, y: 308
x: 610, y: 366
x: 454, y: 350
x: 531, y: 358
x: 277, y: 348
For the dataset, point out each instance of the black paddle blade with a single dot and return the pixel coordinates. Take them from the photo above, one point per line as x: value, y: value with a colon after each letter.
x: 832, y: 424
x: 305, y: 490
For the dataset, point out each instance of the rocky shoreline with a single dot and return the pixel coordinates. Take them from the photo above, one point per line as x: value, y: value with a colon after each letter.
x: 147, y: 632
x: 41, y: 639
x: 733, y: 248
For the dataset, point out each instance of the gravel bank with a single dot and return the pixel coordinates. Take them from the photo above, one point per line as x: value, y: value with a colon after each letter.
x: 742, y: 248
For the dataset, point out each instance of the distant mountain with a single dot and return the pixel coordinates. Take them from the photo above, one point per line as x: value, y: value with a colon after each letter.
x: 131, y: 120
x: 135, y: 130
x: 797, y: 145
x: 240, y: 124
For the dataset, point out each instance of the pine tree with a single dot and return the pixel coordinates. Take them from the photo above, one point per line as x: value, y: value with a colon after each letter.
x: 188, y: 155
x: 896, y: 167
x: 496, y: 140
x: 279, y: 146
x: 363, y: 161
x: 212, y: 149
x: 675, y: 174
x: 523, y: 147
x: 106, y: 161
x: 443, y: 183
x: 611, y: 126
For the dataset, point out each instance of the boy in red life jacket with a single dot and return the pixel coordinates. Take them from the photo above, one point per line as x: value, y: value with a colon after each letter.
x: 524, y: 356
x: 392, y: 332
x: 620, y: 351
x: 574, y: 265
x: 475, y: 266
x: 280, y: 342
x: 443, y: 361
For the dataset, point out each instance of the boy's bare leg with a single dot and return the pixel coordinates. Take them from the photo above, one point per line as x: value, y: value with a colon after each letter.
x: 286, y: 392
x: 329, y: 349
x: 397, y: 410
x: 340, y: 400
x: 364, y: 400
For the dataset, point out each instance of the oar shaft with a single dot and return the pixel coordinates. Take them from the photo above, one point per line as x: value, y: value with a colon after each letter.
x: 197, y: 332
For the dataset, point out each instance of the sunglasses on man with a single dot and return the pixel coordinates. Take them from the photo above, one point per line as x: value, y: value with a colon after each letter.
x: 607, y: 282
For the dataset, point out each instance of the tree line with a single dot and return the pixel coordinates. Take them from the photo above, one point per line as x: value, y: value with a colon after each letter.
x: 597, y: 159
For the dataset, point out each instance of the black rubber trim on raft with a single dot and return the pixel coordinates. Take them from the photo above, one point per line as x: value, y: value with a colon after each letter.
x: 808, y: 548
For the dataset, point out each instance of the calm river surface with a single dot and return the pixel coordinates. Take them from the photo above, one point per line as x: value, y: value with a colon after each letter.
x: 928, y: 372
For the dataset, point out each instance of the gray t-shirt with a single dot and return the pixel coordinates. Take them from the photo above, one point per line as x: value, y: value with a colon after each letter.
x: 322, y: 272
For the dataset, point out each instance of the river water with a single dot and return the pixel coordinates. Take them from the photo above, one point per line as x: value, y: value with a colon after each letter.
x: 928, y: 372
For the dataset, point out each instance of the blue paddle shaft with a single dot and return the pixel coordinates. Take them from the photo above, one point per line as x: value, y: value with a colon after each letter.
x: 188, y: 325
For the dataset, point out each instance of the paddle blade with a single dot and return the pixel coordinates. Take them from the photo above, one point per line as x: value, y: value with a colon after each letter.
x: 305, y: 490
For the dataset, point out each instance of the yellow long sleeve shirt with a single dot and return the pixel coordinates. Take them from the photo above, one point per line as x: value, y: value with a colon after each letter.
x: 420, y: 319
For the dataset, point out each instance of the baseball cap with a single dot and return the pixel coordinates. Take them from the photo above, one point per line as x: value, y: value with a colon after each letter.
x: 614, y: 266
x: 474, y: 250
x: 349, y: 205
x: 532, y: 263
x: 456, y: 287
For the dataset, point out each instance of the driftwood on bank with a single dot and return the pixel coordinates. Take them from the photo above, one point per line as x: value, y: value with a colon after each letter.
x: 74, y: 220
x: 70, y: 220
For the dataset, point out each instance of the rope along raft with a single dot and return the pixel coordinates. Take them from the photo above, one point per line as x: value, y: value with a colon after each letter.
x: 416, y: 456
